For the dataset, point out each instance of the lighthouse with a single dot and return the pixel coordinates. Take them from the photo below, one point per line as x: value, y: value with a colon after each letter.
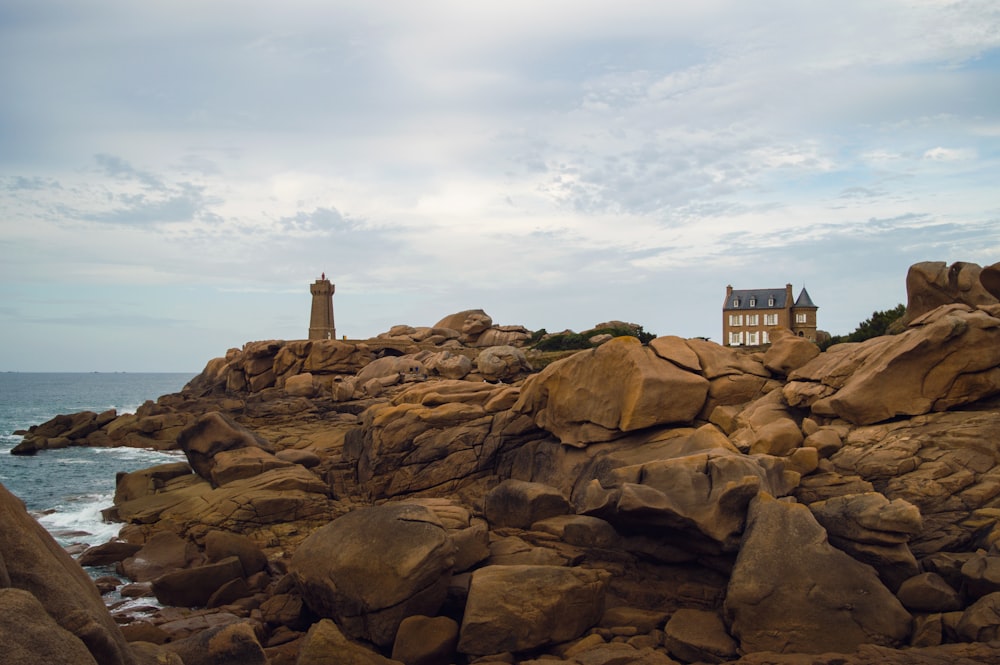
x: 321, y: 321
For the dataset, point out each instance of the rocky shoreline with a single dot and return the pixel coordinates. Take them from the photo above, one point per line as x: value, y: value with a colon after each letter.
x: 443, y: 495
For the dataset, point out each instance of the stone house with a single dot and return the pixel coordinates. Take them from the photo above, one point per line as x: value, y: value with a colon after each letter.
x: 749, y: 315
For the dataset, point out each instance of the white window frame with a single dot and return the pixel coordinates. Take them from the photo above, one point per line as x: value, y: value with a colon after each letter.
x: 800, y: 317
x: 770, y: 319
x: 753, y: 319
x: 753, y: 338
x: 735, y: 339
x: 770, y: 302
x: 753, y: 302
x: 765, y: 337
x: 735, y: 320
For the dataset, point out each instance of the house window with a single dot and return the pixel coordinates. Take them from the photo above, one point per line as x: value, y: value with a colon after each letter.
x: 736, y: 319
x: 735, y: 339
x: 800, y: 317
x: 770, y: 302
x: 753, y: 302
x: 765, y: 338
x: 753, y: 319
x: 736, y: 302
x: 770, y: 319
x: 753, y: 338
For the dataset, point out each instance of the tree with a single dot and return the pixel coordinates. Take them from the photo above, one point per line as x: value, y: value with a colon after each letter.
x: 880, y: 323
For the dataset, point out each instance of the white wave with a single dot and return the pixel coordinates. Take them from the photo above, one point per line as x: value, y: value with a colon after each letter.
x: 81, y: 521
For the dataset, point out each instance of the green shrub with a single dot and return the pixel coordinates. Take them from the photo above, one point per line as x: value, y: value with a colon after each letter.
x: 880, y: 323
x: 575, y: 341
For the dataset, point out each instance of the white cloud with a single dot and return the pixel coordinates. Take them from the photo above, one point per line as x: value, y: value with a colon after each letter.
x: 940, y: 154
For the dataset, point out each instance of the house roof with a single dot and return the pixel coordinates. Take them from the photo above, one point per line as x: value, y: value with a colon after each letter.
x: 760, y: 297
x: 804, y: 300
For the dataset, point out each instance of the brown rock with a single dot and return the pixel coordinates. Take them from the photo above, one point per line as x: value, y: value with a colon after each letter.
x: 620, y: 386
x: 32, y: 562
x: 792, y: 592
x: 677, y: 351
x: 426, y: 641
x: 144, y: 482
x: 704, y: 495
x: 373, y: 567
x: 163, y: 552
x: 699, y: 635
x: 221, y: 545
x: 305, y: 458
x: 502, y: 363
x: 928, y: 592
x: 981, y: 621
x: 301, y: 385
x: 107, y: 553
x: 788, y: 352
x: 990, y: 280
x: 192, y: 587
x: 211, y: 434
x: 514, y: 608
x: 241, y: 463
x: 326, y: 645
x: 933, y: 283
x: 234, y: 644
x: 520, y: 504
x: 947, y: 358
x: 30, y: 636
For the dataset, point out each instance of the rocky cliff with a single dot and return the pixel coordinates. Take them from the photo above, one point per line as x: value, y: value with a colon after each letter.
x: 444, y: 495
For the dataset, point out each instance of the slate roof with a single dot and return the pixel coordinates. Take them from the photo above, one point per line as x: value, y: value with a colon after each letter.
x: 804, y: 300
x: 760, y: 295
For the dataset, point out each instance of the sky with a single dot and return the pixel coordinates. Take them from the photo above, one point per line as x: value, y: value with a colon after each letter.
x: 174, y: 175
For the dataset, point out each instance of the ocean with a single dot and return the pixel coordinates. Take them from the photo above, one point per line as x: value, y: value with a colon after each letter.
x: 67, y: 489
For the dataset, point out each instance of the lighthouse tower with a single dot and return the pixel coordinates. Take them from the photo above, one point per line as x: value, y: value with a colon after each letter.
x: 321, y: 322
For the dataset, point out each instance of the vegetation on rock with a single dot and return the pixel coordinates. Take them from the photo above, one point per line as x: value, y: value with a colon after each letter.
x: 878, y: 324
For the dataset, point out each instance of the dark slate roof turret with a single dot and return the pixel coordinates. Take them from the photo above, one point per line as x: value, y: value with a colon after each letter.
x: 804, y: 300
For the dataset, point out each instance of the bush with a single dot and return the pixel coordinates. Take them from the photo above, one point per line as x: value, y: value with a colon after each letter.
x: 880, y: 323
x: 541, y: 341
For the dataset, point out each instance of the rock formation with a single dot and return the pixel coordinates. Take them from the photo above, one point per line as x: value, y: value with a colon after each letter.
x: 429, y: 497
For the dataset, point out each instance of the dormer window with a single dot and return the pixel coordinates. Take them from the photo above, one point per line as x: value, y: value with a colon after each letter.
x: 753, y: 302
x: 736, y: 302
x: 770, y: 302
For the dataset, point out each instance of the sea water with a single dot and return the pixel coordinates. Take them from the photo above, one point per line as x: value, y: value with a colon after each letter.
x: 67, y: 489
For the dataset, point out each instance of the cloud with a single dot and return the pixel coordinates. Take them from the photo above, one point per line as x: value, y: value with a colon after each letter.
x: 940, y: 154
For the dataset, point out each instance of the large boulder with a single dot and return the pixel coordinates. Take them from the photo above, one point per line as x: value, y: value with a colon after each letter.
x: 599, y: 394
x: 934, y: 283
x: 937, y: 463
x: 266, y: 507
x: 873, y: 530
x: 788, y: 352
x: 30, y: 635
x: 214, y: 433
x: 704, y: 495
x: 30, y: 560
x: 519, y: 504
x: 325, y: 644
x: 515, y: 608
x: 373, y: 567
x: 434, y: 437
x: 470, y: 323
x: 502, y: 363
x: 232, y: 644
x: 164, y: 552
x: 947, y: 358
x: 793, y: 592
